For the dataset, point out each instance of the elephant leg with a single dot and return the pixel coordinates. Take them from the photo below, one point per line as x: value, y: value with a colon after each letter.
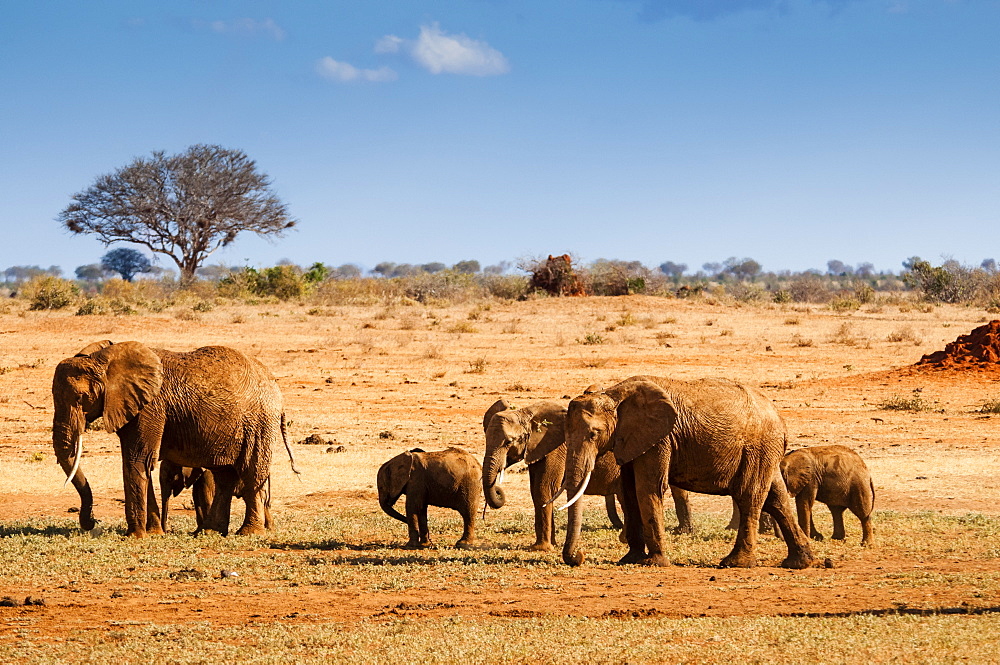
x: 838, y: 522
x: 165, y: 491
x: 153, y: 525
x: 468, y: 512
x: 682, y: 506
x: 778, y: 506
x: 804, y: 506
x: 203, y: 493
x: 734, y: 520
x: 633, y: 520
x: 650, y: 485
x: 541, y: 494
x: 612, y: 511
x: 136, y: 484
x: 218, y: 515
x: 416, y: 521
x: 867, y: 531
x: 743, y: 554
x: 255, y: 517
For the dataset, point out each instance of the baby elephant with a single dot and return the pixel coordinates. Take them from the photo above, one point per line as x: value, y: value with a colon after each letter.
x: 450, y: 478
x: 174, y: 479
x: 836, y: 476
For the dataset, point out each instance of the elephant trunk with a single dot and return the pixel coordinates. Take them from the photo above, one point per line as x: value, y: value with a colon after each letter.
x: 572, y: 555
x: 493, y: 478
x: 67, y: 434
x: 579, y: 468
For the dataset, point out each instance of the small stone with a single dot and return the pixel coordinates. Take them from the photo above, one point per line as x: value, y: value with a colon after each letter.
x: 7, y: 601
x: 224, y: 574
x: 712, y: 578
x: 386, y: 434
x: 38, y: 602
x: 117, y: 594
x: 828, y: 563
x: 72, y: 509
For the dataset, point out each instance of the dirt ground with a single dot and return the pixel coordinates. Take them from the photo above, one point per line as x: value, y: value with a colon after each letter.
x: 378, y: 380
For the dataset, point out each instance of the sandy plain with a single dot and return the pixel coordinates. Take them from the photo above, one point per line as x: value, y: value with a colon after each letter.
x: 377, y: 380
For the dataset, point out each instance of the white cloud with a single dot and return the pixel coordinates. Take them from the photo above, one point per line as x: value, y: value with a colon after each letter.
x: 440, y: 52
x: 388, y: 44
x: 246, y: 27
x: 344, y: 72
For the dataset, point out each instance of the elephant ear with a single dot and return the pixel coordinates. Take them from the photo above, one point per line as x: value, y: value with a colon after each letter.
x: 646, y: 416
x: 497, y: 407
x: 132, y: 377
x: 548, y: 432
x: 400, y: 469
x: 93, y: 348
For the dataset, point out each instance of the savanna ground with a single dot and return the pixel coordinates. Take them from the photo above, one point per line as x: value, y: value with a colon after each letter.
x: 332, y: 583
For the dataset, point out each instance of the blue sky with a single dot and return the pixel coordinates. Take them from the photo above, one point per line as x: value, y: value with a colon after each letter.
x: 788, y: 131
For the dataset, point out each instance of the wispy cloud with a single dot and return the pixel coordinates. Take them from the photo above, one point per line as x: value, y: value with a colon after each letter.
x: 439, y: 52
x: 708, y: 10
x: 344, y: 72
x: 245, y: 27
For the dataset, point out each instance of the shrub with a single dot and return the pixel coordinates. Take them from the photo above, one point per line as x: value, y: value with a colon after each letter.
x: 915, y: 402
x: 48, y: 292
x: 845, y: 304
x: 781, y: 296
x: 591, y: 339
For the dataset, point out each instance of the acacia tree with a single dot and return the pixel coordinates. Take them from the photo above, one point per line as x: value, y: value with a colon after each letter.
x: 184, y: 206
x: 127, y: 262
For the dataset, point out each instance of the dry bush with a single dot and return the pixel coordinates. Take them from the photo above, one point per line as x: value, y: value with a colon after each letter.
x: 905, y: 334
x: 49, y: 292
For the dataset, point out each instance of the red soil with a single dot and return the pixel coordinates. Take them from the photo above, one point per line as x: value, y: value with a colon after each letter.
x: 980, y: 347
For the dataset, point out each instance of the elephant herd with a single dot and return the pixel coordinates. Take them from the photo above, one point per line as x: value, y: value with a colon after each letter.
x: 211, y: 417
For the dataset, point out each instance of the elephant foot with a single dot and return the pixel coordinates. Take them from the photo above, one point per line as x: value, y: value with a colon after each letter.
x: 839, y: 536
x: 683, y: 529
x: 622, y: 538
x: 798, y: 561
x: 136, y: 534
x: 246, y: 530
x: 419, y: 546
x: 465, y: 545
x: 817, y: 536
x: 632, y: 556
x: 657, y: 560
x: 741, y: 560
x: 541, y: 547
x: 154, y: 531
x: 574, y: 559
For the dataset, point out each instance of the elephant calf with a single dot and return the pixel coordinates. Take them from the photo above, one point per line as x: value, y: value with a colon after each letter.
x: 174, y: 479
x: 836, y: 476
x: 449, y: 479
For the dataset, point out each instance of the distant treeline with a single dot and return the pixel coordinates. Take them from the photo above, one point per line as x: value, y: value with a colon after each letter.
x: 98, y: 289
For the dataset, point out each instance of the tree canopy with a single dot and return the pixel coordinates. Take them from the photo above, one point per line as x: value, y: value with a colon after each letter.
x: 127, y: 262
x: 184, y: 206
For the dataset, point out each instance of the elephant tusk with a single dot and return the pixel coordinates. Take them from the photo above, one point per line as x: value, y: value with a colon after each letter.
x: 583, y: 487
x: 554, y: 497
x: 76, y: 464
x: 500, y: 477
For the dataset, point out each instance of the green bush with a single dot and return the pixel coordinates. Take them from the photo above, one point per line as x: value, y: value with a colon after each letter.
x: 48, y: 292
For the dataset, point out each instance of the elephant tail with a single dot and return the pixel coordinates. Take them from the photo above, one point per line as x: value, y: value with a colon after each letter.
x: 284, y: 438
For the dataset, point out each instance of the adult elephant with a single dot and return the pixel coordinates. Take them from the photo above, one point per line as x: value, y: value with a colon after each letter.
x: 536, y: 434
x: 710, y: 436
x: 213, y: 407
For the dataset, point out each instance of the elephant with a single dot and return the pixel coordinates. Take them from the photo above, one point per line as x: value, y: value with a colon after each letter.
x: 834, y: 475
x: 213, y: 408
x: 536, y: 435
x: 711, y: 436
x: 447, y: 478
x: 174, y: 479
